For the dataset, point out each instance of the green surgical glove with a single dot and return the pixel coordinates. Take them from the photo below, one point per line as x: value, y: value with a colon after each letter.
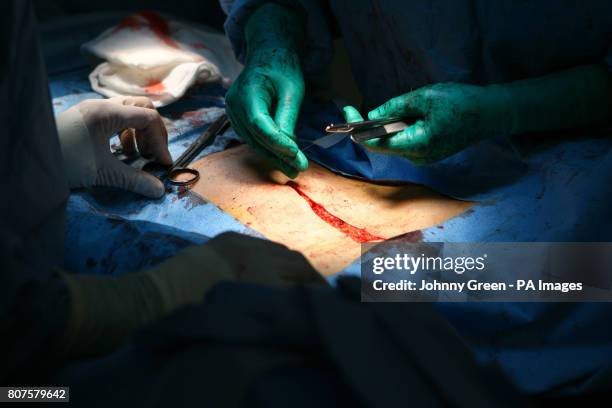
x: 264, y: 102
x: 451, y: 116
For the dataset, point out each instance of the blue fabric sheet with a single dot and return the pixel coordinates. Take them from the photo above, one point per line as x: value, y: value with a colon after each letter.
x: 526, y: 192
x: 100, y: 219
x: 548, y: 190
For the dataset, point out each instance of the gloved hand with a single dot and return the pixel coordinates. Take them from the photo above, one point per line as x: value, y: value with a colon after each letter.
x: 263, y: 103
x: 84, y: 132
x: 451, y: 116
x: 105, y: 310
x: 263, y: 261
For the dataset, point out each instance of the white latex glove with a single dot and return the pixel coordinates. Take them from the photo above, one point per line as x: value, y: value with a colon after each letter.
x: 84, y: 133
x: 105, y: 310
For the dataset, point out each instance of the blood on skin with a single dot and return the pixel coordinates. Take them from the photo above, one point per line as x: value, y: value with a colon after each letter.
x: 356, y: 234
x: 156, y: 23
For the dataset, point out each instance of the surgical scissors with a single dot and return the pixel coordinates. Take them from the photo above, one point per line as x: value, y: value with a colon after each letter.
x: 355, y: 127
x: 181, y: 175
x: 359, y: 131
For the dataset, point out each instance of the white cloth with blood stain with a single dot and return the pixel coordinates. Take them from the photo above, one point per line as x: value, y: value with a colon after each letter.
x: 147, y: 55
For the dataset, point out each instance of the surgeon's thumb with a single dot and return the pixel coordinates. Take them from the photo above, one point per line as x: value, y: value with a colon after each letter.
x: 120, y: 175
x: 351, y: 115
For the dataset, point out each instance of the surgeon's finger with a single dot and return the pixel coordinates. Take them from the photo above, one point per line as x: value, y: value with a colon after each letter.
x: 287, y: 170
x: 262, y: 94
x: 407, y: 105
x: 269, y: 157
x: 351, y: 114
x: 275, y: 161
x: 140, y: 101
x: 128, y: 141
x: 118, y: 174
x: 248, y: 111
x: 151, y: 134
x: 290, y: 98
x: 411, y: 142
x: 271, y: 137
x: 128, y: 136
x: 263, y: 126
x: 152, y: 141
x: 296, y: 159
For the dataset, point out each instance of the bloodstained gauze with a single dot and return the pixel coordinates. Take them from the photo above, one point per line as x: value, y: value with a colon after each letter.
x: 156, y: 23
x: 155, y: 87
x: 356, y: 234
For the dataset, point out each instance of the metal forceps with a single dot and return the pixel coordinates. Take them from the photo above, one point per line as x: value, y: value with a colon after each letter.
x: 181, y: 175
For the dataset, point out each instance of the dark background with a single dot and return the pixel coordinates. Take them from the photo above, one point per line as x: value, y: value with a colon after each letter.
x: 202, y: 11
